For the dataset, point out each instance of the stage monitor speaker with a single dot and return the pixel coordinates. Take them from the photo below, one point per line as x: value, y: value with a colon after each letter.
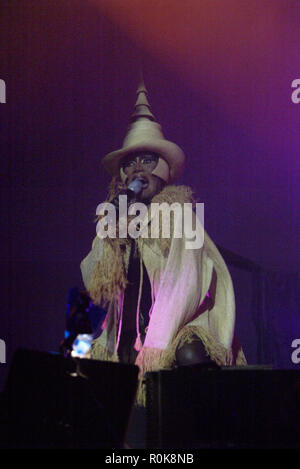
x: 233, y: 407
x: 58, y: 402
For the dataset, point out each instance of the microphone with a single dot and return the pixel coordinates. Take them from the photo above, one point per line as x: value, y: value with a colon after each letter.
x: 133, y: 190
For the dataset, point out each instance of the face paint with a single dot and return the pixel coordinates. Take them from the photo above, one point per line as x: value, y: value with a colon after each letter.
x: 143, y: 165
x: 161, y: 170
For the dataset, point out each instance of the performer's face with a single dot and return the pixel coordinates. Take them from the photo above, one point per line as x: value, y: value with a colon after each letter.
x: 141, y: 165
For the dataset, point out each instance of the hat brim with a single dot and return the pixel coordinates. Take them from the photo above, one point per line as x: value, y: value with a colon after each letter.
x: 171, y: 152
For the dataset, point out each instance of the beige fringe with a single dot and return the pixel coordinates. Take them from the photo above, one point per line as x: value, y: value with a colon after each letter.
x: 156, y: 359
x: 109, y: 278
x: 152, y: 359
x: 141, y: 394
x: 98, y: 352
x: 115, y: 187
x: 216, y: 351
x: 148, y: 359
x: 170, y: 194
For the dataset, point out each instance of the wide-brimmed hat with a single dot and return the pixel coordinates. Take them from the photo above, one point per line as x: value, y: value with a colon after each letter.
x: 145, y: 134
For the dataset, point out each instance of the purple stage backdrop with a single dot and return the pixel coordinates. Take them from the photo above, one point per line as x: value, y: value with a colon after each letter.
x: 219, y: 76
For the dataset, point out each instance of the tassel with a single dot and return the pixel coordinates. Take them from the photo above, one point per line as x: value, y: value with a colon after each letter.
x: 138, y: 343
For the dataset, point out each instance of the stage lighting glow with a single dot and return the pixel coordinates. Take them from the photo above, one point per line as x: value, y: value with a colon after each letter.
x: 82, y: 345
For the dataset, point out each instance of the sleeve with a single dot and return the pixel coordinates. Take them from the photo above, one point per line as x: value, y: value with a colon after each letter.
x: 89, y: 262
x: 183, y: 284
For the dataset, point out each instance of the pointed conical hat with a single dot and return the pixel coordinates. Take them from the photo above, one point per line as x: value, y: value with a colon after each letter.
x: 145, y: 134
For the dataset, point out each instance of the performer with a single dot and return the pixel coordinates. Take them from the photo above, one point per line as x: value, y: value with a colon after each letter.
x: 167, y: 305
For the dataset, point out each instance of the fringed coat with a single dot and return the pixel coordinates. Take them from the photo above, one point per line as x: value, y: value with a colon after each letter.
x: 192, y: 294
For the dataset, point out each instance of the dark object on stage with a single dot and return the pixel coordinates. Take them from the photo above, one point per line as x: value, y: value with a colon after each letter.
x: 82, y: 317
x: 234, y: 407
x: 58, y: 402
